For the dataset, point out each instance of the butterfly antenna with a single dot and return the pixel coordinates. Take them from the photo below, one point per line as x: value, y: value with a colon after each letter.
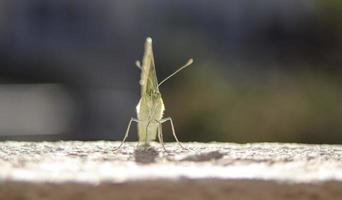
x: 190, y: 61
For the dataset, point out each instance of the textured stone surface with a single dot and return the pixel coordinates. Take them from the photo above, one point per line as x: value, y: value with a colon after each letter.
x: 92, y: 170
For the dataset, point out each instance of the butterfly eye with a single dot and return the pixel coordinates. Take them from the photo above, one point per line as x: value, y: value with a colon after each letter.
x: 155, y: 93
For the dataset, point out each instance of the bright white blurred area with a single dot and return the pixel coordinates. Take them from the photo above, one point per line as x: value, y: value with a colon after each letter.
x: 34, y: 109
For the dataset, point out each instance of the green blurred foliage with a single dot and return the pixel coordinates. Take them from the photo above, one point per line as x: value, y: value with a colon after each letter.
x: 288, y: 107
x: 331, y: 11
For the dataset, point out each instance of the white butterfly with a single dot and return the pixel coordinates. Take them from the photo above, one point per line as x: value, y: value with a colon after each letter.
x: 150, y: 108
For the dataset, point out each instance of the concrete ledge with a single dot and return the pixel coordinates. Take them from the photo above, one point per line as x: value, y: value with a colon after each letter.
x: 92, y: 170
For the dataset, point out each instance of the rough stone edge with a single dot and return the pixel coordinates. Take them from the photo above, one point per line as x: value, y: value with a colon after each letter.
x: 174, y: 189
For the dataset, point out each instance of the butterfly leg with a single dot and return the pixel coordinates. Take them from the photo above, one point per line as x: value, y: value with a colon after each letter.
x: 145, y: 141
x: 173, y: 130
x: 127, y: 131
x: 146, y: 132
x: 160, y: 135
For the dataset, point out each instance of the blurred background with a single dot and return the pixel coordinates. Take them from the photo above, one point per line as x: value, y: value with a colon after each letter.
x: 265, y: 71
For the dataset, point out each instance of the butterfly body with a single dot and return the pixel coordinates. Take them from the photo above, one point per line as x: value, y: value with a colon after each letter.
x: 150, y: 108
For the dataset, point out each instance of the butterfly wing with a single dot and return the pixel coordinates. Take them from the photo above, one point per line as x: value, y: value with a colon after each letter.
x: 148, y: 79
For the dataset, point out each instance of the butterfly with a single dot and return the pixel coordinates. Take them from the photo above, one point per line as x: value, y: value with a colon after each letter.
x: 150, y: 109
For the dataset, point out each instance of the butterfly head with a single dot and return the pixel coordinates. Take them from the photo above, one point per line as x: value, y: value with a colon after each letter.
x: 155, y: 94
